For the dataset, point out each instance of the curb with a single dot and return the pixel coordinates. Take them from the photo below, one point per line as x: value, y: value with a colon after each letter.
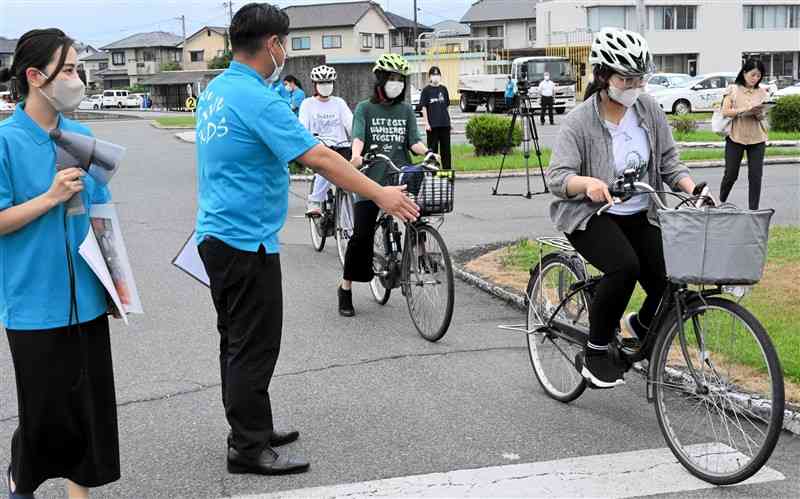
x: 155, y: 124
x: 791, y: 419
x: 721, y: 145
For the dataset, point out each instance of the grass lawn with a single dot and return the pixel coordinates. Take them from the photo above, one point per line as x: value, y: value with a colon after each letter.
x: 464, y: 158
x: 176, y: 121
x: 695, y: 116
x: 775, y: 301
x: 709, y: 136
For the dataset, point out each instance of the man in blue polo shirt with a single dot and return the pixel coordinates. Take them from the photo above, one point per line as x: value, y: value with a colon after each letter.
x: 246, y: 136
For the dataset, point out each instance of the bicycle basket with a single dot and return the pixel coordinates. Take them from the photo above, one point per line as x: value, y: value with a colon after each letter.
x: 431, y: 190
x: 715, y: 246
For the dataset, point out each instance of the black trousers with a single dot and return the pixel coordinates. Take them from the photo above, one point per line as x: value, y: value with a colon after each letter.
x: 547, y: 107
x: 358, y: 258
x: 439, y: 142
x: 67, y: 414
x: 627, y: 249
x: 734, y: 152
x: 247, y: 294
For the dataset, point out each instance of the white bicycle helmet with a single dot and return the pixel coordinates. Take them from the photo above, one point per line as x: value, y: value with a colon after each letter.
x: 626, y: 52
x: 323, y: 73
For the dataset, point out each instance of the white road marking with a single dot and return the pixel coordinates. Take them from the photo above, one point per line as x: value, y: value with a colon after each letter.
x: 627, y: 474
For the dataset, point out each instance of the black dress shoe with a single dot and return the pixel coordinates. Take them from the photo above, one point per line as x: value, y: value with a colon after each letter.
x: 276, y: 438
x: 268, y: 463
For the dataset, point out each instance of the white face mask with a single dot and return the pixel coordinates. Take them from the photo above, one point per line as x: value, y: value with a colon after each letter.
x: 625, y: 97
x: 394, y: 89
x: 435, y: 79
x: 276, y: 73
x: 65, y: 94
x: 325, y: 89
x: 546, y: 77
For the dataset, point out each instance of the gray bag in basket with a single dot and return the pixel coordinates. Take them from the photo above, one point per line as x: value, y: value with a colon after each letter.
x: 723, y: 245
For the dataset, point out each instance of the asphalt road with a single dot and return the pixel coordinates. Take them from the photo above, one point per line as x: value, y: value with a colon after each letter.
x: 371, y: 398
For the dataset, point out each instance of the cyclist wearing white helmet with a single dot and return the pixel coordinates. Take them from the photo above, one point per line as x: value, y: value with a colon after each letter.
x: 388, y: 122
x: 329, y: 118
x: 616, y: 128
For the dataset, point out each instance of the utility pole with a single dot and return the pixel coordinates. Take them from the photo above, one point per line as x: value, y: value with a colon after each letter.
x: 229, y: 5
x: 641, y: 16
x: 182, y: 18
x: 416, y: 45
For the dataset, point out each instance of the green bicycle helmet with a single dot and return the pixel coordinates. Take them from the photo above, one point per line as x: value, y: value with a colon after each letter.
x: 392, y: 63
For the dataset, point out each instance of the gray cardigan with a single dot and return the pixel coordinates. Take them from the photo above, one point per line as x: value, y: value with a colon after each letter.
x: 584, y: 147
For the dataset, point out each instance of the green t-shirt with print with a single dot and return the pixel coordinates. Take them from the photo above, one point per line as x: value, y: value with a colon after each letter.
x: 392, y: 128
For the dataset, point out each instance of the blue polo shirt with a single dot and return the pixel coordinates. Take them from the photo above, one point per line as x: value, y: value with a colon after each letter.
x: 34, y: 279
x: 246, y: 137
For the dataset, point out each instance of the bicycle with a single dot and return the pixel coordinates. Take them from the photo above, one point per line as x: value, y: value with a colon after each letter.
x: 718, y: 422
x: 336, y: 218
x: 420, y: 265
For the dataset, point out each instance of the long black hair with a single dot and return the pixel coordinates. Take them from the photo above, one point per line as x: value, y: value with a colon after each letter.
x: 35, y: 49
x: 600, y: 76
x: 379, y: 93
x: 750, y: 65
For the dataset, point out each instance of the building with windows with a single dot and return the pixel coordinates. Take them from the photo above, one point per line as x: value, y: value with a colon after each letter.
x: 7, y: 47
x: 203, y: 46
x: 348, y: 31
x: 510, y: 24
x: 92, y: 63
x: 139, y: 56
x: 687, y: 36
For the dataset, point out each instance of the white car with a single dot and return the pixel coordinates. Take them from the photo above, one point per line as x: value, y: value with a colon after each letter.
x: 792, y: 90
x: 91, y: 103
x: 7, y: 106
x: 415, y: 94
x: 698, y: 94
x: 660, y: 81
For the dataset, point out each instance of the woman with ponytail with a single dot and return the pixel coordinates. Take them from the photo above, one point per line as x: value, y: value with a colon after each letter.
x: 52, y: 305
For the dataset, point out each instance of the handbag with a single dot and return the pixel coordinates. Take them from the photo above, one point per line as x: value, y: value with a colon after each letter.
x: 720, y: 123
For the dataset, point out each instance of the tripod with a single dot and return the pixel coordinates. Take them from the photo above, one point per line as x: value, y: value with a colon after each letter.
x: 524, y: 111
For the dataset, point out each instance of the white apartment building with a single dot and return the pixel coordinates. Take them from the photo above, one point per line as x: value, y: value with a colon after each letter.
x: 687, y: 36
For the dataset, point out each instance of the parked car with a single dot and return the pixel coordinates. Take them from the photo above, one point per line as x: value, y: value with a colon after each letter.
x: 415, y: 94
x: 792, y: 90
x: 660, y: 81
x: 7, y: 106
x: 115, y: 98
x: 698, y: 94
x: 136, y: 100
x: 92, y: 102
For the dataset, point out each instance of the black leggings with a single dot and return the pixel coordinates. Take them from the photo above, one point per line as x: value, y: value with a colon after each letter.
x: 439, y: 142
x: 755, y: 169
x: 358, y: 259
x: 626, y: 249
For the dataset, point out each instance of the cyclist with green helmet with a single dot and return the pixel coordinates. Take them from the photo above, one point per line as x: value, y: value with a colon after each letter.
x: 388, y: 122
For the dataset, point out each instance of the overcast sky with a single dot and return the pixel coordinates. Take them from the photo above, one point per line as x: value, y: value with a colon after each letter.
x: 99, y: 22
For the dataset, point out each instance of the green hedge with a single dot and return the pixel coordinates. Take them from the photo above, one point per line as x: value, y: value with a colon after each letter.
x: 684, y: 124
x: 785, y: 115
x: 489, y: 134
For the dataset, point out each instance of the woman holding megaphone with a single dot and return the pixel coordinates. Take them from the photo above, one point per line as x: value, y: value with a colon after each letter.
x: 51, y: 304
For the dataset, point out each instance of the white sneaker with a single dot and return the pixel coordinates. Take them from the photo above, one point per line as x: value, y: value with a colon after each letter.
x: 314, y: 209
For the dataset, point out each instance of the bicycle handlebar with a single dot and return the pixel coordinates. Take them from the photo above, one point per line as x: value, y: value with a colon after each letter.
x: 624, y: 188
x: 370, y: 157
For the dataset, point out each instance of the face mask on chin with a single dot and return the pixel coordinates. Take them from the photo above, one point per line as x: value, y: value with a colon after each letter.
x: 393, y: 89
x: 65, y: 95
x: 625, y: 97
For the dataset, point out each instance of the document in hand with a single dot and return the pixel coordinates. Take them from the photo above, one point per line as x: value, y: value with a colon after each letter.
x: 188, y: 260
x: 105, y: 253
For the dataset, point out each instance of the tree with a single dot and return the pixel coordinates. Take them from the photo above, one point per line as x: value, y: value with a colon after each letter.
x: 171, y: 66
x: 221, y: 62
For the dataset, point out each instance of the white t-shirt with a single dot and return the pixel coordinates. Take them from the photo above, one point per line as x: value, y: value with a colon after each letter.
x: 546, y: 88
x: 331, y: 120
x: 631, y: 150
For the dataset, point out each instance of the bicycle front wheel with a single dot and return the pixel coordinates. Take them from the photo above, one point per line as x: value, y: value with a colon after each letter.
x: 427, y: 280
x: 315, y: 224
x: 344, y: 222
x: 718, y: 391
x: 553, y: 355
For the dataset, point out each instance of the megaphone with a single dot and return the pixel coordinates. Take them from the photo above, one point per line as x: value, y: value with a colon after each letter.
x: 100, y: 159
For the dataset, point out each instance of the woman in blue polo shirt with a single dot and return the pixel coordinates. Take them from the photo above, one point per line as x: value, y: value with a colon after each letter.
x: 51, y: 304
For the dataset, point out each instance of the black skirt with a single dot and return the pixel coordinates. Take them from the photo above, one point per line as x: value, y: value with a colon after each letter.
x: 67, y: 406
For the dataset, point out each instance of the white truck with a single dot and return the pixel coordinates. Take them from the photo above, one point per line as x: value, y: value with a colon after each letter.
x: 490, y: 89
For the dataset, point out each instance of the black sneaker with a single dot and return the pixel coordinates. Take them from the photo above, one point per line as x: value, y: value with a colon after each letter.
x: 346, y: 302
x: 598, y: 368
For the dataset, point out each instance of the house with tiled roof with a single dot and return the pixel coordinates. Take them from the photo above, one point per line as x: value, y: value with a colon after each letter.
x: 138, y: 56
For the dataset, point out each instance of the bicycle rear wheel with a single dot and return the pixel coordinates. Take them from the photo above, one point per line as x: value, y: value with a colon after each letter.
x: 381, y: 265
x: 344, y: 222
x: 553, y: 355
x: 427, y: 280
x: 724, y: 428
x: 316, y: 224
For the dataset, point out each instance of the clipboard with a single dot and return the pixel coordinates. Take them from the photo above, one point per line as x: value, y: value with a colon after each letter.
x: 188, y: 260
